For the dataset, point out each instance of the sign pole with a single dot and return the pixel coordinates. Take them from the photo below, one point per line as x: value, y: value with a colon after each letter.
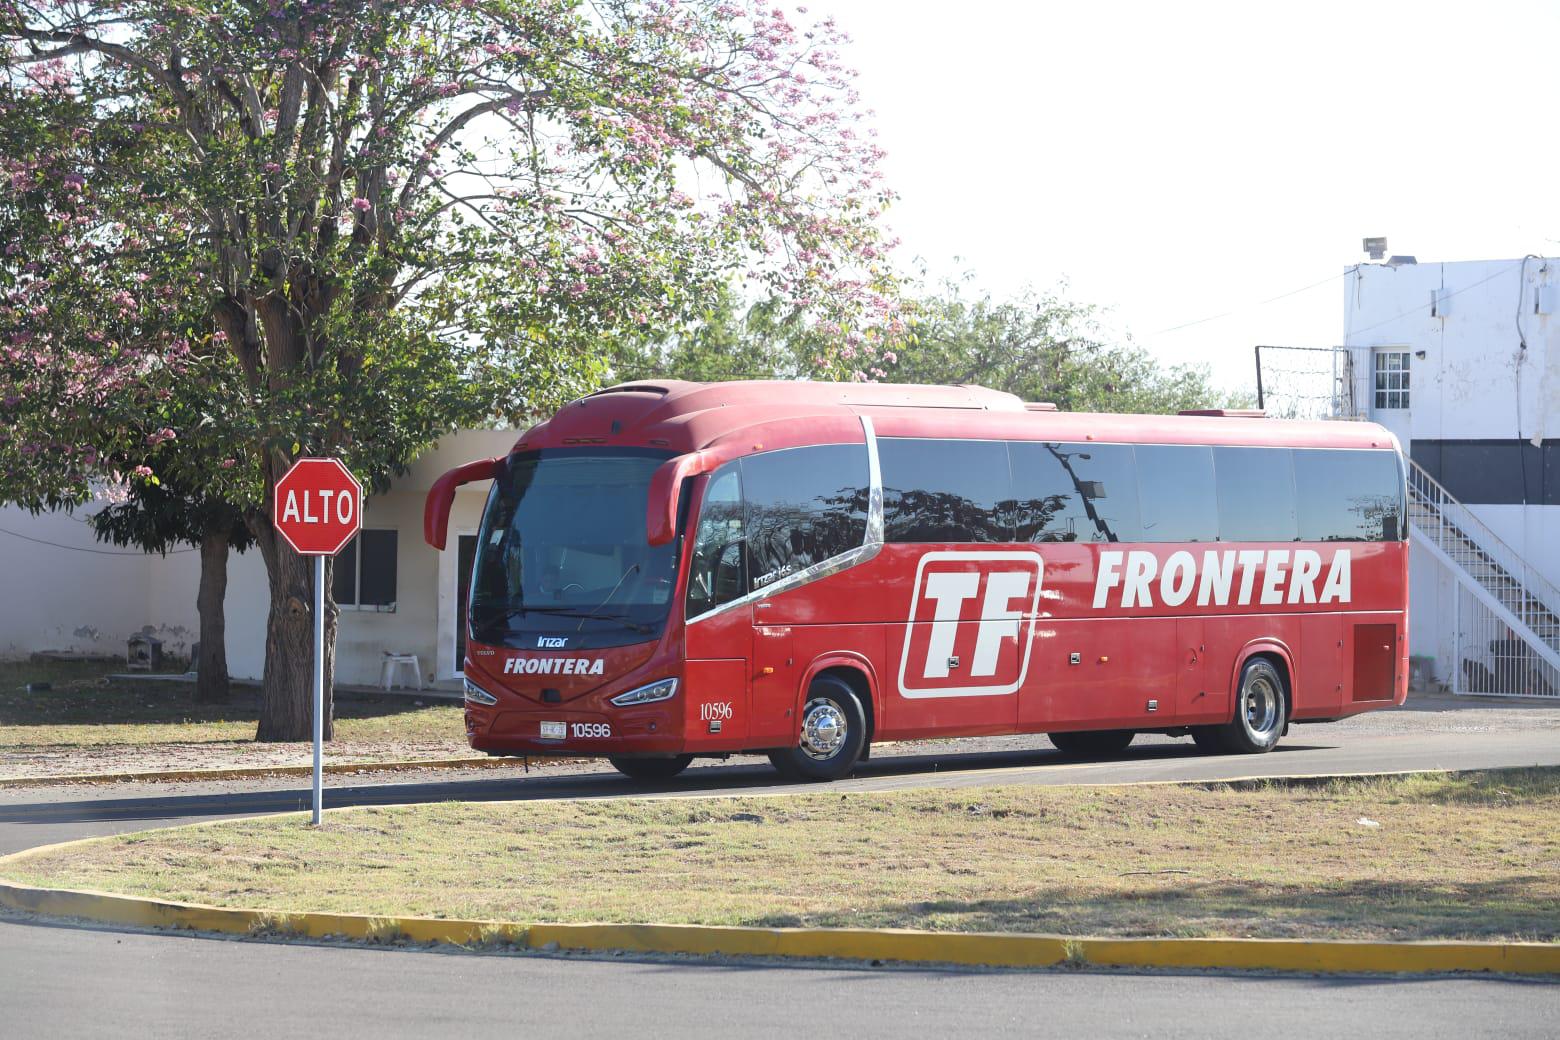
x: 317, y: 507
x: 319, y: 685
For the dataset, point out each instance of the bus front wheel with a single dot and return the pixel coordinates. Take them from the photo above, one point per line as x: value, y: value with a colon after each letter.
x: 833, y: 734
x: 650, y: 768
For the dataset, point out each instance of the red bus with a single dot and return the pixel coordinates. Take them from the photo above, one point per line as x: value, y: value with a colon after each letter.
x: 672, y: 570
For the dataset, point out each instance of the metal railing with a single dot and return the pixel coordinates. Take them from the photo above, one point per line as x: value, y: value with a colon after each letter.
x: 1491, y: 658
x: 1508, y: 614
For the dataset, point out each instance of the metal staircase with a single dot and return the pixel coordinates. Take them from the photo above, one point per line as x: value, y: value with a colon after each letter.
x: 1508, y: 614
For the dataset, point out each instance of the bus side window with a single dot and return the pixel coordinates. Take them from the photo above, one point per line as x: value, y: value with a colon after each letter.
x: 1074, y: 492
x: 716, y: 572
x: 804, y: 506
x: 1176, y: 493
x: 1256, y: 494
x: 1349, y: 495
x: 946, y: 490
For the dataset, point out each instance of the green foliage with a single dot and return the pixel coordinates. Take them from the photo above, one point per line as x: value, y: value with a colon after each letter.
x: 363, y: 226
x: 727, y: 341
x: 158, y: 518
x: 1043, y: 347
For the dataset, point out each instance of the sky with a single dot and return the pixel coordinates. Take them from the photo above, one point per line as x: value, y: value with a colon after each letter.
x: 1176, y: 162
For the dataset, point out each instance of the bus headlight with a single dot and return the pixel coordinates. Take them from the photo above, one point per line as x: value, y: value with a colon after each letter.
x: 656, y: 691
x: 477, y: 695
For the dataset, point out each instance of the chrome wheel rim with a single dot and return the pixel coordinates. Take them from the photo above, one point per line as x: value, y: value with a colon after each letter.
x: 1260, y: 705
x: 823, y: 729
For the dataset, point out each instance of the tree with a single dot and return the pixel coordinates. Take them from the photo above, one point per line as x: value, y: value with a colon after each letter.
x: 1041, y: 347
x: 157, y: 518
x: 729, y: 340
x: 392, y: 217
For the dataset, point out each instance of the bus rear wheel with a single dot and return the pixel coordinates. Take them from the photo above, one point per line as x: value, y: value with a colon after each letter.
x: 650, y: 768
x: 1261, y: 709
x: 833, y: 734
x: 1093, y: 742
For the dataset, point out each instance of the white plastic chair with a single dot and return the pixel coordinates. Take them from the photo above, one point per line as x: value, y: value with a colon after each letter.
x: 392, y: 661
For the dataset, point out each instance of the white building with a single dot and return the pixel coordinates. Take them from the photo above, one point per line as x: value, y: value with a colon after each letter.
x: 66, y: 591
x: 1462, y: 361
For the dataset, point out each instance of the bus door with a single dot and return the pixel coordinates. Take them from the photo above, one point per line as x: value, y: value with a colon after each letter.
x: 719, y: 634
x: 776, y: 678
x: 717, y: 715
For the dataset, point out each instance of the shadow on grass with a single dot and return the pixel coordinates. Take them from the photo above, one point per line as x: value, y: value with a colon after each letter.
x: 1518, y: 907
x: 82, y: 694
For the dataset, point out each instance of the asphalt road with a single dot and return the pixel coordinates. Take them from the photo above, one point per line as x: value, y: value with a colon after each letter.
x: 57, y: 980
x: 63, y: 982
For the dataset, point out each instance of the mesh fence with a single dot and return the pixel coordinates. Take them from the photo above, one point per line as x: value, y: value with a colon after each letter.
x: 1309, y: 382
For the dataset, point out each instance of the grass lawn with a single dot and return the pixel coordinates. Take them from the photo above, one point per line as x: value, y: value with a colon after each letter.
x: 89, y: 723
x: 1469, y: 856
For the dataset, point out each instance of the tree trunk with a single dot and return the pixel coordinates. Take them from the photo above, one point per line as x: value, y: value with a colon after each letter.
x: 287, y: 692
x: 211, y: 670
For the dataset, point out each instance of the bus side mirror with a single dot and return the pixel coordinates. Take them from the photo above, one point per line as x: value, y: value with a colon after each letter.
x: 665, y: 487
x: 436, y: 510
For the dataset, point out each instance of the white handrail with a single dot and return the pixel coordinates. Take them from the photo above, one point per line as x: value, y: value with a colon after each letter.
x: 1484, y: 555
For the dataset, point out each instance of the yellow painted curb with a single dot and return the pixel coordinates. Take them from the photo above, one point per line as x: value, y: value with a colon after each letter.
x: 906, y: 946
x: 242, y: 772
x: 990, y: 949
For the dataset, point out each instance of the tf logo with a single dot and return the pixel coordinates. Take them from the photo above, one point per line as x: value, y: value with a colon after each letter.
x: 970, y: 624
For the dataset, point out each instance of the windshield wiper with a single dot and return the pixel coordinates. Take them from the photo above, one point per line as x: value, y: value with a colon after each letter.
x: 603, y: 603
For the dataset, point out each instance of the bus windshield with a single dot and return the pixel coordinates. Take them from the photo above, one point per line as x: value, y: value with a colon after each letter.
x: 563, y: 552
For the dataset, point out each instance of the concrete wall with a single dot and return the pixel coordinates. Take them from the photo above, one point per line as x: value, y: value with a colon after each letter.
x: 74, y: 599
x: 63, y: 590
x: 1475, y: 381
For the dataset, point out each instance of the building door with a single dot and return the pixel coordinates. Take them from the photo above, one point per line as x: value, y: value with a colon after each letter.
x: 1390, y: 390
x: 465, y: 556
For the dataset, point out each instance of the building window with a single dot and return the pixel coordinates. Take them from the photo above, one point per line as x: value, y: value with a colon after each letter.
x: 364, y: 574
x: 1392, y: 379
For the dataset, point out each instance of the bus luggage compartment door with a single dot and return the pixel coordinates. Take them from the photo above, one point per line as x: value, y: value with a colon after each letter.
x: 1192, y: 700
x: 956, y: 680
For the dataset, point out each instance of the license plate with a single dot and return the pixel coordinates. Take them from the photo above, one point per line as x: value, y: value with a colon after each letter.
x: 555, y: 730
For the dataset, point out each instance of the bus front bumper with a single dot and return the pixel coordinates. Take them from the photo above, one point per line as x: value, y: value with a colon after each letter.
x: 550, y: 730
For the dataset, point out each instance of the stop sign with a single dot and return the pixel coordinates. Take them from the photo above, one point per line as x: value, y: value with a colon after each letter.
x: 318, y: 506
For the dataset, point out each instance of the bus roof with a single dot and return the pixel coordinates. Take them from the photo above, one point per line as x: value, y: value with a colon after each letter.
x: 682, y: 417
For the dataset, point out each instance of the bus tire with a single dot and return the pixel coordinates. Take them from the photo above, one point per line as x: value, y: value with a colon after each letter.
x: 1261, y: 709
x: 1093, y: 742
x: 833, y: 734
x: 649, y: 768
